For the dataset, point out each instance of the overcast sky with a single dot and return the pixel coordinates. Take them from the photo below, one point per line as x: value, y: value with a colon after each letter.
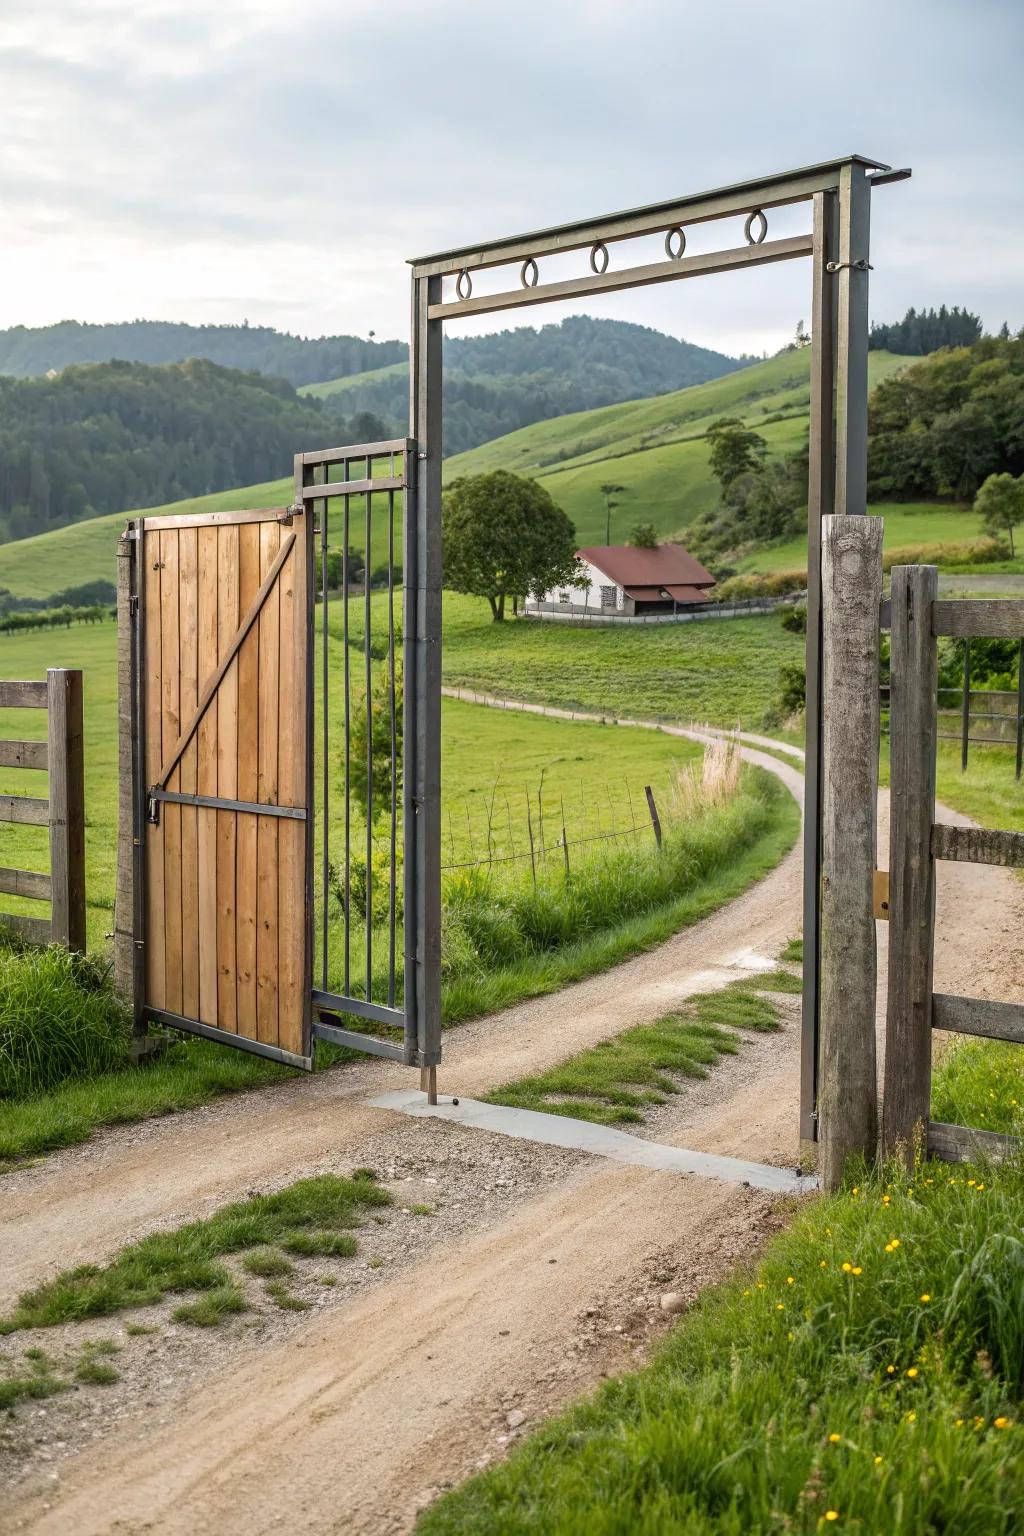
x: 278, y: 160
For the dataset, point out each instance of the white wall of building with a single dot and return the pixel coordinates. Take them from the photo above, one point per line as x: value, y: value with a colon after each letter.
x: 600, y: 595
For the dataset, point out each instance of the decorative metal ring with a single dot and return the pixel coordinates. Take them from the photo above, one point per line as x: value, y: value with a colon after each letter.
x: 464, y: 284
x: 673, y: 250
x: 762, y: 227
x: 529, y: 273
x: 599, y: 257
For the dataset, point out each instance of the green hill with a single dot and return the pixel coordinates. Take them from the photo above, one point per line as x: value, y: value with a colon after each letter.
x: 655, y: 448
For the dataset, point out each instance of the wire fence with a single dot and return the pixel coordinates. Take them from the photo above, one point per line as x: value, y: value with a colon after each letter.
x: 983, y: 717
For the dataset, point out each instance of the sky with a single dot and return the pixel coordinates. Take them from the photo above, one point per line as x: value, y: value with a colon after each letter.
x: 279, y: 162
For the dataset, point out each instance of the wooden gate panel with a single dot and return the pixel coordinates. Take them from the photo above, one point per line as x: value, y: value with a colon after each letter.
x: 227, y: 888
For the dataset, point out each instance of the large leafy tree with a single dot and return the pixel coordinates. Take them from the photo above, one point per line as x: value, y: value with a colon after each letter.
x: 1000, y: 503
x: 505, y: 537
x: 734, y: 450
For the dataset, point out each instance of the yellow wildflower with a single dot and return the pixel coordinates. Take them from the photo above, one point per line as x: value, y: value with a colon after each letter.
x: 831, y: 1514
x: 834, y: 1439
x: 1001, y: 1422
x: 780, y: 1306
x: 912, y: 1372
x: 958, y: 1424
x: 847, y: 1267
x: 857, y: 1270
x: 878, y: 1461
x: 890, y: 1369
x: 790, y: 1280
x: 926, y: 1296
x: 911, y: 1417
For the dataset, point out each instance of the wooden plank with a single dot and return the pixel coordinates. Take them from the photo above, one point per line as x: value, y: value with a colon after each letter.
x: 152, y: 668
x: 219, y: 519
x: 913, y: 724
x: 125, y: 951
x: 978, y: 845
x: 23, y: 754
x: 989, y: 616
x: 34, y: 930
x: 18, y: 695
x: 267, y: 791
x: 963, y: 1144
x: 293, y: 984
x: 26, y: 810
x: 188, y: 662
x: 851, y: 581
x: 228, y: 609
x: 206, y: 778
x: 24, y: 882
x: 170, y: 678
x: 978, y: 1016
x: 248, y: 785
x: 66, y: 759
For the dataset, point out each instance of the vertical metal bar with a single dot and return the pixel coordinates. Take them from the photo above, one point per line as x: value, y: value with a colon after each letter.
x: 422, y: 786
x: 1020, y: 708
x: 368, y: 682
x: 965, y: 709
x: 820, y: 492
x: 347, y: 982
x: 325, y: 708
x: 852, y: 341
x: 309, y: 663
x: 392, y: 704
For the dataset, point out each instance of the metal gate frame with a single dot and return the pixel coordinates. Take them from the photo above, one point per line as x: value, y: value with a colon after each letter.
x: 419, y: 1013
x: 838, y: 244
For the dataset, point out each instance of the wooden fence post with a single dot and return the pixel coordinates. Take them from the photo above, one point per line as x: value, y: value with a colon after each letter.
x: 655, y: 818
x: 913, y: 726
x: 851, y: 582
x: 65, y: 762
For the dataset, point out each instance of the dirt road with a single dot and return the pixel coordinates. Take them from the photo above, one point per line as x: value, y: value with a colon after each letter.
x: 362, y: 1412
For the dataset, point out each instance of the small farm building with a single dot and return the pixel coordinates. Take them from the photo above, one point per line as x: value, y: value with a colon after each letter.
x: 627, y: 581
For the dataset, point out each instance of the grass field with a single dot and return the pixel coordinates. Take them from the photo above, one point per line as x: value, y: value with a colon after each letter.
x: 338, y: 389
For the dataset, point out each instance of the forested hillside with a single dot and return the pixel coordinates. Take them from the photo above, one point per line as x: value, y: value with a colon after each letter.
x: 946, y: 423
x: 29, y: 352
x: 114, y: 436
x: 499, y: 383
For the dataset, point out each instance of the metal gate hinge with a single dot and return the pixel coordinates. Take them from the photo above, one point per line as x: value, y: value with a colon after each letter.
x: 860, y: 265
x: 133, y: 604
x: 152, y: 809
x: 286, y: 517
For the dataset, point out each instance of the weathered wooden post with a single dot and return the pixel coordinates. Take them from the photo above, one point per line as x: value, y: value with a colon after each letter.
x: 124, y: 897
x: 66, y: 770
x: 851, y: 591
x: 913, y: 724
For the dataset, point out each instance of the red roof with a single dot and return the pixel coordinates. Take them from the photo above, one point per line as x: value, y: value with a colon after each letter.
x: 666, y: 566
x: 678, y: 594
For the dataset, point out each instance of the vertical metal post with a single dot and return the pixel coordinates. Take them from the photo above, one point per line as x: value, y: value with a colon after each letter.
x: 913, y: 727
x: 139, y: 875
x: 422, y: 716
x: 820, y: 491
x: 852, y: 268
x: 965, y: 709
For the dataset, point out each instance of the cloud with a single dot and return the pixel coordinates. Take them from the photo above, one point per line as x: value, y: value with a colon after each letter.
x: 281, y: 161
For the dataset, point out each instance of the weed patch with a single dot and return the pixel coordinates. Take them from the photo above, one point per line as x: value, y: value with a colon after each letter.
x: 96, y: 1373
x: 59, y: 1020
x: 212, y: 1308
x: 186, y: 1259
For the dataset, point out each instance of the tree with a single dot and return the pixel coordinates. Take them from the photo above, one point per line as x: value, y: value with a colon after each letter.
x: 375, y: 721
x: 1000, y: 504
x: 608, y: 491
x: 643, y: 536
x: 504, y: 536
x: 801, y: 339
x: 735, y: 449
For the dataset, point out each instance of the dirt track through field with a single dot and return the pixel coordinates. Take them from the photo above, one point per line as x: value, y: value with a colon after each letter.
x: 363, y: 1412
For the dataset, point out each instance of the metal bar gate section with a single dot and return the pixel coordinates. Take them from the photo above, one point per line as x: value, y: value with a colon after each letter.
x: 370, y: 811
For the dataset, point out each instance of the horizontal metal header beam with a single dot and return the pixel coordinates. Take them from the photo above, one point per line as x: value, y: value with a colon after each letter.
x: 630, y: 277
x: 353, y: 451
x: 740, y: 197
x: 353, y: 487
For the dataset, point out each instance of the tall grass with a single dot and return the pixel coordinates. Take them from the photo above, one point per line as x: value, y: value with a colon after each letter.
x: 59, y: 1020
x: 867, y: 1377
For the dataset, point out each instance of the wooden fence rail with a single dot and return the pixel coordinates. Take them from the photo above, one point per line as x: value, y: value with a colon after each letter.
x: 61, y: 755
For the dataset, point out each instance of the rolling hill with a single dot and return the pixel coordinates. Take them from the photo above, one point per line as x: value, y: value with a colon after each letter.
x: 654, y: 448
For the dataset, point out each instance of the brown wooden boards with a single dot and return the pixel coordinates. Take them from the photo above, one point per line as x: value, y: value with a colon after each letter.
x: 226, y: 884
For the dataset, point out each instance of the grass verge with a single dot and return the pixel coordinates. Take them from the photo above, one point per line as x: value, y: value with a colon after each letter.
x: 614, y: 1081
x: 59, y: 1019
x: 867, y: 1377
x: 316, y: 1210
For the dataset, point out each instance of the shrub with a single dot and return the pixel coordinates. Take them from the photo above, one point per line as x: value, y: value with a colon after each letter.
x: 59, y: 1019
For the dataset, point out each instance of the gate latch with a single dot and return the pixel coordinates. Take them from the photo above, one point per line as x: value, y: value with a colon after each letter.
x: 153, y: 809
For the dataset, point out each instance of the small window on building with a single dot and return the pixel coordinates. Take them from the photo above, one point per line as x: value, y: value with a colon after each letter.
x: 563, y: 597
x: 608, y: 597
